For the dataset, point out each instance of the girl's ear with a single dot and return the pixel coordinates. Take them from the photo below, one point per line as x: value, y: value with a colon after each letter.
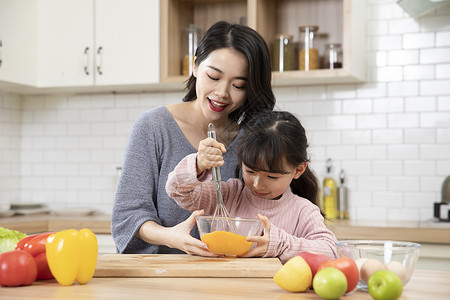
x: 194, y: 67
x: 300, y: 169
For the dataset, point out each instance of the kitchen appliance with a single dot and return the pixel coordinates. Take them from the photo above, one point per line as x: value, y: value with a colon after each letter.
x: 442, y: 209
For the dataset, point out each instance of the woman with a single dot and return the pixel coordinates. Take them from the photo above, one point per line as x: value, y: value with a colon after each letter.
x: 230, y: 83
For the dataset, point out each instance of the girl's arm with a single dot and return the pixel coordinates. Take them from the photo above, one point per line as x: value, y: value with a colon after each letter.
x: 314, y: 237
x: 276, y: 242
x: 189, y: 184
x: 190, y: 191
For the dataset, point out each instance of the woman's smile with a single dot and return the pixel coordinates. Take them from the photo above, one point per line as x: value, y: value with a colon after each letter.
x: 216, y: 105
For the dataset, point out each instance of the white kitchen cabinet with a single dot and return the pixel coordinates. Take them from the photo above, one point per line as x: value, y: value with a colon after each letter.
x: 98, y: 42
x: 18, y: 42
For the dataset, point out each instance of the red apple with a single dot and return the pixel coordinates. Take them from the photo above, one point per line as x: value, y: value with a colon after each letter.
x: 314, y: 259
x: 348, y: 266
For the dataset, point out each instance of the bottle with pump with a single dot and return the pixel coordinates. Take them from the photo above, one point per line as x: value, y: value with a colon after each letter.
x: 329, y: 193
x: 342, y: 198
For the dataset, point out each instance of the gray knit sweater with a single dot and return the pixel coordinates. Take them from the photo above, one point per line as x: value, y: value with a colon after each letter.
x: 155, y: 147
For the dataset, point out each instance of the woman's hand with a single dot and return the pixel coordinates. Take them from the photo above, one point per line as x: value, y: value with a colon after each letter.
x: 209, y: 154
x: 262, y: 241
x: 180, y: 237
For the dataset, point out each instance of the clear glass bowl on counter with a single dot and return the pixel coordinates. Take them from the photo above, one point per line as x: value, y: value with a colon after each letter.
x: 400, y: 257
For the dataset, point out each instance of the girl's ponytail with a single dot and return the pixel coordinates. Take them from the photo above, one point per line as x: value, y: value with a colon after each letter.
x: 306, y: 186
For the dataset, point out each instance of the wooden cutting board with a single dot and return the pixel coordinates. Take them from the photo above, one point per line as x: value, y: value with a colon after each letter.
x: 181, y: 265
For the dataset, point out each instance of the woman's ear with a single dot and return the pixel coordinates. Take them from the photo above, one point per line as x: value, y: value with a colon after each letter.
x: 301, y: 168
x: 194, y: 67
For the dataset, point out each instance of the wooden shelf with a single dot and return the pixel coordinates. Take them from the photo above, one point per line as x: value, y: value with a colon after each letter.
x: 339, y: 21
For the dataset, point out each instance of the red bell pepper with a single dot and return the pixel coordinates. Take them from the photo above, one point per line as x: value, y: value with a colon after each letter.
x: 35, y: 245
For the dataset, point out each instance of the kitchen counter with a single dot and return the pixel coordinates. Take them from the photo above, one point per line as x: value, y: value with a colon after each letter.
x: 98, y: 223
x: 423, y: 285
x: 411, y: 231
x: 419, y: 232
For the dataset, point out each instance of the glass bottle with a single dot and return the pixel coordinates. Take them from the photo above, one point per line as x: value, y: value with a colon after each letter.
x: 308, y: 56
x: 283, y: 53
x: 191, y: 38
x: 329, y: 193
x: 342, y: 197
x: 333, y: 56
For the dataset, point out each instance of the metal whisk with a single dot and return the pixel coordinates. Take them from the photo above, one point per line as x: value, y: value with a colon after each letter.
x: 221, y: 212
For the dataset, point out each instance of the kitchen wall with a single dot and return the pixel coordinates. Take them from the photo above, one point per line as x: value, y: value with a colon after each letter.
x: 10, y: 133
x: 391, y: 134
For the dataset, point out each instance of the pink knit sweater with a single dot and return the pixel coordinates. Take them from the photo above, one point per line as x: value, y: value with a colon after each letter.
x: 296, y: 223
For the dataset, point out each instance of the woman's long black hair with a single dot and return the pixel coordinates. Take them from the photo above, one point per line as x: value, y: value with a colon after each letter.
x: 247, y: 41
x: 274, y: 140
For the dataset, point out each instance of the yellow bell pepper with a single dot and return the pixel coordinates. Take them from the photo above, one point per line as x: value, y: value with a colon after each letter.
x: 72, y: 255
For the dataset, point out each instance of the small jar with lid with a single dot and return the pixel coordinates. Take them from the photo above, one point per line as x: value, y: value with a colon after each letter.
x: 283, y: 53
x: 308, y: 56
x: 333, y: 56
x: 191, y: 38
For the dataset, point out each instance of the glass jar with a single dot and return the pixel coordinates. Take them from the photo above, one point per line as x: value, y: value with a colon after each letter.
x: 191, y: 38
x: 283, y: 53
x: 308, y: 56
x: 333, y: 56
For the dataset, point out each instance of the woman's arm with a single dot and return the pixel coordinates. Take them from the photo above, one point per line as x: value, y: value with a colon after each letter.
x: 175, y: 237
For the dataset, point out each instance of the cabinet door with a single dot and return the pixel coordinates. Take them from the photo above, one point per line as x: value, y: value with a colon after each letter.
x: 127, y: 42
x: 18, y: 37
x: 66, y: 39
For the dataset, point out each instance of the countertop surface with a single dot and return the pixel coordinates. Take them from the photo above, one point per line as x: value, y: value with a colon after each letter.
x: 423, y: 285
x: 411, y: 231
x: 98, y: 223
x: 420, y: 232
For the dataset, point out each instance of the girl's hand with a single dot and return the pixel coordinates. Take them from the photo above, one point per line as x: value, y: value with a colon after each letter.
x: 181, y: 239
x: 209, y: 154
x: 263, y: 241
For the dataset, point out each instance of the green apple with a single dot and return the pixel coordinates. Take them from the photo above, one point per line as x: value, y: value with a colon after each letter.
x: 385, y: 285
x: 330, y: 283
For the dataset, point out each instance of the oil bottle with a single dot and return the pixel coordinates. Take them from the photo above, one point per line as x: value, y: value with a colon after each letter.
x: 329, y: 193
x: 342, y: 197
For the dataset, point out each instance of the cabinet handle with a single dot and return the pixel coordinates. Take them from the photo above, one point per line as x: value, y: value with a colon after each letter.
x: 86, y: 60
x: 100, y: 60
x: 1, y: 45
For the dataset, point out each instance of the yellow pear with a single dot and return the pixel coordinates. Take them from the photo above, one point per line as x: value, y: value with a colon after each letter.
x: 294, y: 276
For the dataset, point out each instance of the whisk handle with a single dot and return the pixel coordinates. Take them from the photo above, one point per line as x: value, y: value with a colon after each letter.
x: 216, y: 174
x: 216, y: 170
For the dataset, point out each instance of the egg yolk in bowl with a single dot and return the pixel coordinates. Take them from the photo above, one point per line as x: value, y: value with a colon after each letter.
x: 226, y: 243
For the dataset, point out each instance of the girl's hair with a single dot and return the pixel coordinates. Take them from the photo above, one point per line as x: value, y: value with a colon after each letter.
x: 247, y: 41
x: 274, y: 140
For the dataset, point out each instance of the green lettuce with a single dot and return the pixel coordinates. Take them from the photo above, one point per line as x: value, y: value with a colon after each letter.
x: 9, y: 239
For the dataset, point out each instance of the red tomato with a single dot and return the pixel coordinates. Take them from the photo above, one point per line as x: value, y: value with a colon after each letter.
x: 17, y: 267
x: 35, y: 245
x: 348, y: 267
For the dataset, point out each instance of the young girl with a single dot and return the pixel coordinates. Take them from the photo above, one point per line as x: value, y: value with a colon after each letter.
x: 278, y: 187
